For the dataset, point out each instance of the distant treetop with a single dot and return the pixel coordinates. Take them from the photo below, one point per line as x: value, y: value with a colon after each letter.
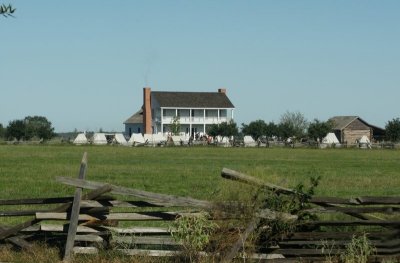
x: 7, y: 10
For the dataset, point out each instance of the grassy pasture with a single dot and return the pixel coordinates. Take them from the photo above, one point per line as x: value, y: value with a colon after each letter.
x: 29, y: 171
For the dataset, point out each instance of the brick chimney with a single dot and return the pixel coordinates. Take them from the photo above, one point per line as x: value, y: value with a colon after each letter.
x: 222, y: 91
x: 147, y: 111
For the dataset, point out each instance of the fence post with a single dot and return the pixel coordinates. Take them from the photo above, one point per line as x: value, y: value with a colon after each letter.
x: 73, y: 224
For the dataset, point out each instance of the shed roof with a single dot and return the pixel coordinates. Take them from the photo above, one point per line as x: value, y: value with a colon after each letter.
x: 341, y: 122
x: 192, y: 99
x: 135, y: 118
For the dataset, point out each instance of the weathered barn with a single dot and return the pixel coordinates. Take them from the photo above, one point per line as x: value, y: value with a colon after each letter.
x: 349, y: 129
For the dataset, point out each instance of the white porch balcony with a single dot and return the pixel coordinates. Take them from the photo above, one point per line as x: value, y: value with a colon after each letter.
x: 194, y: 120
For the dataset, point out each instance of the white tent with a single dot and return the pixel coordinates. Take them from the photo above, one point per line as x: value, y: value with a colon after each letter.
x: 249, y: 141
x: 159, y: 138
x: 223, y: 141
x: 120, y: 139
x: 180, y: 140
x: 330, y: 138
x: 137, y: 139
x: 155, y: 139
x: 99, y: 139
x: 364, y: 142
x: 81, y: 139
x: 364, y: 139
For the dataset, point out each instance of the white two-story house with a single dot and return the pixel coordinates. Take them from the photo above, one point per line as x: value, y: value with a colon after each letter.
x: 195, y: 110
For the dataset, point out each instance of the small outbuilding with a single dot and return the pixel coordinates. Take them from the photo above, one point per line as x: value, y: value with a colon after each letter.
x: 349, y: 129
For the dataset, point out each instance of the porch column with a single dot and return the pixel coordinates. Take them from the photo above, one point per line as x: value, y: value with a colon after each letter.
x: 162, y: 123
x: 204, y: 121
x: 190, y: 122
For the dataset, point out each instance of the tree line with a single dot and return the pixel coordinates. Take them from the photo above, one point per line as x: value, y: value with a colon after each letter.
x: 28, y: 128
x: 291, y: 125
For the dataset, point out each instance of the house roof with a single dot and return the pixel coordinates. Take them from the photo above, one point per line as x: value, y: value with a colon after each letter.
x: 341, y: 122
x: 192, y: 99
x: 135, y: 118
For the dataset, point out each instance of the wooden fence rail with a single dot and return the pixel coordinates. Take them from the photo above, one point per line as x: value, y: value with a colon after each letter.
x: 89, y: 222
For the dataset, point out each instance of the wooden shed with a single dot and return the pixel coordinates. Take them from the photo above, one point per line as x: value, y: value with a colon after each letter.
x: 348, y: 129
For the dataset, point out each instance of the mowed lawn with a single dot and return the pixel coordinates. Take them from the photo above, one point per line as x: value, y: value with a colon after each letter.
x: 30, y: 171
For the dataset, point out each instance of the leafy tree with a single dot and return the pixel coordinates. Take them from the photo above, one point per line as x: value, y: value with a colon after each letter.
x: 256, y: 129
x: 228, y: 129
x: 285, y: 130
x: 213, y: 130
x: 293, y: 124
x: 39, y: 126
x: 393, y: 130
x: 272, y: 129
x: 29, y: 127
x: 2, y: 131
x: 16, y: 129
x: 6, y: 10
x: 175, y: 125
x: 318, y: 129
x: 224, y: 129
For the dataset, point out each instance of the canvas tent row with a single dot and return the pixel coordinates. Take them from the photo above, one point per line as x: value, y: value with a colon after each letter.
x: 99, y: 139
x: 80, y: 139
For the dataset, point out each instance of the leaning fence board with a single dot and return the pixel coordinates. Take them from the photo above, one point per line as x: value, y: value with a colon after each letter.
x: 144, y: 240
x: 76, y: 206
x: 37, y: 201
x: 388, y: 200
x: 335, y: 209
x: 335, y: 242
x: 234, y: 175
x: 241, y: 240
x: 355, y: 223
x: 148, y: 252
x: 142, y: 216
x: 336, y: 235
x: 21, y: 213
x: 140, y: 230
x: 89, y: 238
x: 173, y: 200
x: 64, y: 228
x: 125, y: 204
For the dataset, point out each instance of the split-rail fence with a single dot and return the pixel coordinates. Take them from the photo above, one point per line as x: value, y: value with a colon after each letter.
x: 138, y: 223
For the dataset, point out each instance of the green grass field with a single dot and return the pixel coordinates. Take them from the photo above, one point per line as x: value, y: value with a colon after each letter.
x: 29, y: 171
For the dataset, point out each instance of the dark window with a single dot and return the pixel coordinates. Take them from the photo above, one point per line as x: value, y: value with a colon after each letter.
x: 138, y: 130
x: 130, y: 131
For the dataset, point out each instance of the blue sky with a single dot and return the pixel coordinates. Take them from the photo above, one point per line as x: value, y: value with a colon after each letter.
x: 83, y: 64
